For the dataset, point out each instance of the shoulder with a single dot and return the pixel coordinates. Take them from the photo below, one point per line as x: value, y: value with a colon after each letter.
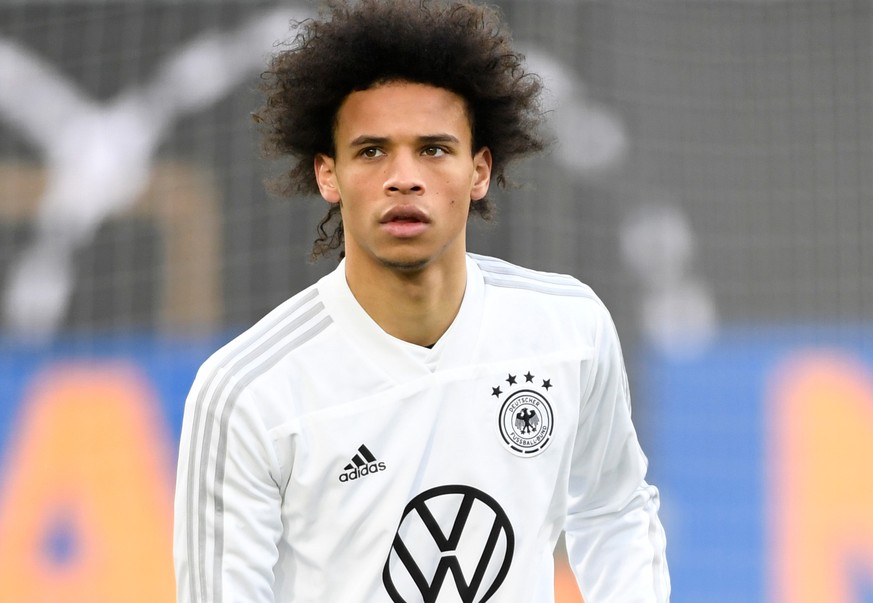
x: 502, y: 274
x: 253, y: 353
x: 546, y: 302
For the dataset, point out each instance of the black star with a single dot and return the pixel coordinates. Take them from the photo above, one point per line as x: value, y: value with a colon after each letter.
x: 528, y: 377
x: 547, y: 383
x: 495, y: 391
x: 510, y: 379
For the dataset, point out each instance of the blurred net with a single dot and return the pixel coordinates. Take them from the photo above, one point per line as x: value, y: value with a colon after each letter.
x: 748, y: 122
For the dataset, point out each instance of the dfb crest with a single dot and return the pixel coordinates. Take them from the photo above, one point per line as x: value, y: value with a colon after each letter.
x: 525, y: 419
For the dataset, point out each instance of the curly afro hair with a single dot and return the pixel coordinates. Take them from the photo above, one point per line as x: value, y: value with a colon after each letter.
x: 458, y: 46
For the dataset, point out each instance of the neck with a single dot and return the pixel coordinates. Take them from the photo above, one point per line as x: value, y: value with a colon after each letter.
x: 417, y: 306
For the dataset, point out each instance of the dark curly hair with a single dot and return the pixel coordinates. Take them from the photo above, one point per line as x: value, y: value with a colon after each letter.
x: 458, y: 46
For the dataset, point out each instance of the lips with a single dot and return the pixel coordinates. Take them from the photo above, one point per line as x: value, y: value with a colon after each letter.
x: 405, y: 213
x: 404, y: 222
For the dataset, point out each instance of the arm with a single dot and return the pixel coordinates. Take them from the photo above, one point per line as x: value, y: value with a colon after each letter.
x: 228, y: 504
x: 615, y: 541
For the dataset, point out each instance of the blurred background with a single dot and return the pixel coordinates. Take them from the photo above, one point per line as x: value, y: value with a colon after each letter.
x: 711, y: 179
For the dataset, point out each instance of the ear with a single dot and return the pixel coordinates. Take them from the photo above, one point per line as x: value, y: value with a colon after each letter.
x: 481, y: 174
x: 325, y: 176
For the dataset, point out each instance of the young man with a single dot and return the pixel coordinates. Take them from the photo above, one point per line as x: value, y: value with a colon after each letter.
x: 422, y: 423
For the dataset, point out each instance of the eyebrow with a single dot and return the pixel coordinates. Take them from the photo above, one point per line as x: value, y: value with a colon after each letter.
x: 367, y: 139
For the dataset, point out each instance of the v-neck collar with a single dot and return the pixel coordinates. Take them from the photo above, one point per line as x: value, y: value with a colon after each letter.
x: 398, y: 359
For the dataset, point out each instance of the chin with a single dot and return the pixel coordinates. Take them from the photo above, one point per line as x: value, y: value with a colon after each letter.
x: 405, y: 264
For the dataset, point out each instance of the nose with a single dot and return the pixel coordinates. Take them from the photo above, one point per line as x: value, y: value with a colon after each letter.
x: 404, y: 175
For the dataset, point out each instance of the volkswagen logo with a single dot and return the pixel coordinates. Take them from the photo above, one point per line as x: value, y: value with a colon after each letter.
x: 453, y: 538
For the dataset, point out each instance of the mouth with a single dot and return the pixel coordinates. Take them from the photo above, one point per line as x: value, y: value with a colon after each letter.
x: 405, y: 214
x: 404, y: 222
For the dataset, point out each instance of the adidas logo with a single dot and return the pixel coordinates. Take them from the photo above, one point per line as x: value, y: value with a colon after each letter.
x: 363, y: 463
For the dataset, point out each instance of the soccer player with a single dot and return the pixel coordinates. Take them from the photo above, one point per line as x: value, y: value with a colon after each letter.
x: 422, y: 423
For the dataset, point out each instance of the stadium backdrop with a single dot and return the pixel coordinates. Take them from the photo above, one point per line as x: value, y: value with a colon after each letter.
x: 763, y: 501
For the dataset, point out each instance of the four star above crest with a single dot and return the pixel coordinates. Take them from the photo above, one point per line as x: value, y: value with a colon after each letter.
x: 512, y: 380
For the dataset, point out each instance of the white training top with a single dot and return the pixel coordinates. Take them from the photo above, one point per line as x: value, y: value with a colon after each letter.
x: 325, y: 461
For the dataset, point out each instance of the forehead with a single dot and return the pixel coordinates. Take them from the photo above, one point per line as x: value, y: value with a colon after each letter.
x: 401, y: 108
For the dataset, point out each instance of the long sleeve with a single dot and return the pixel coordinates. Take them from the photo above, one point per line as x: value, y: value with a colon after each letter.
x: 228, y: 502
x: 615, y: 541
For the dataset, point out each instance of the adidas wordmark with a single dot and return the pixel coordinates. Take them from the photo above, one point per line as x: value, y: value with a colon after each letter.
x: 363, y: 463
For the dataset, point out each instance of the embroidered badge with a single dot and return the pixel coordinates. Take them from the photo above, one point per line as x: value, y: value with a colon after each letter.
x: 525, y: 419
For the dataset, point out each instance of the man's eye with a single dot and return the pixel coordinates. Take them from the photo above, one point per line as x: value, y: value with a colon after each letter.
x: 371, y: 152
x: 434, y: 151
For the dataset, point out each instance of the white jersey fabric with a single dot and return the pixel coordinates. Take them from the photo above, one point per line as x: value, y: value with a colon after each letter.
x: 325, y: 461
